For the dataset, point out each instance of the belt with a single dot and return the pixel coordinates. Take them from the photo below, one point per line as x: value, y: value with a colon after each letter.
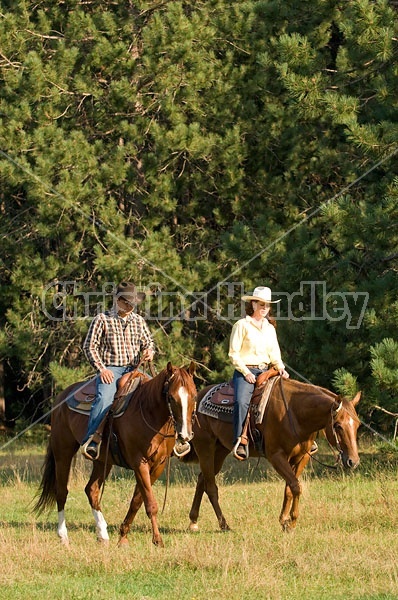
x: 260, y: 366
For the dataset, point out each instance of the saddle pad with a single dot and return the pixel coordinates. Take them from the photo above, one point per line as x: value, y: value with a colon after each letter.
x: 220, y: 410
x: 218, y: 402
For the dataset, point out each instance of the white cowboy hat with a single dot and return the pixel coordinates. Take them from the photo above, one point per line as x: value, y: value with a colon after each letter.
x: 262, y: 294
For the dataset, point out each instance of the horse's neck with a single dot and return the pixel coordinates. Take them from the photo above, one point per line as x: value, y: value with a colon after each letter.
x: 311, y: 406
x: 152, y: 396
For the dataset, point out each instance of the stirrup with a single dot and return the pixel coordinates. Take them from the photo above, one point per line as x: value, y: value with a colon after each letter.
x: 314, y: 448
x: 181, y: 449
x: 235, y: 448
x: 85, y: 446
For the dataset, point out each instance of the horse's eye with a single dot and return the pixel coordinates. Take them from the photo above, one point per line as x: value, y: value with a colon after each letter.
x: 337, y: 427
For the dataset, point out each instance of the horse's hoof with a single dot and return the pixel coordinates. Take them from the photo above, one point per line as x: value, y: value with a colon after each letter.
x: 158, y: 542
x: 64, y: 542
x: 103, y: 541
x: 193, y: 527
x: 123, y: 542
x: 287, y: 527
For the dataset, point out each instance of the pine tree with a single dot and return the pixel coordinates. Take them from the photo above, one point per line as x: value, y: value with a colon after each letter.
x: 187, y: 145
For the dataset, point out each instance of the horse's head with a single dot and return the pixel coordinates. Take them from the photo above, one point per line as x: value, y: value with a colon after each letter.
x: 181, y: 397
x: 342, y: 428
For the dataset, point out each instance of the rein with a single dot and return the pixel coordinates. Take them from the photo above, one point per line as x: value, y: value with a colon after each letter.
x: 153, y: 373
x: 171, y: 417
x: 107, y: 453
x: 167, y: 483
x: 333, y: 467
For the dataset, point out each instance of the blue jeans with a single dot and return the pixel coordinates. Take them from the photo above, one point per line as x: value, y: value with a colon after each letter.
x: 242, y: 394
x: 103, y: 399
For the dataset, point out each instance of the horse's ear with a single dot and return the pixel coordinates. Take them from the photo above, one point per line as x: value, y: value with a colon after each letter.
x: 337, y: 406
x: 192, y: 369
x: 169, y: 368
x: 356, y: 399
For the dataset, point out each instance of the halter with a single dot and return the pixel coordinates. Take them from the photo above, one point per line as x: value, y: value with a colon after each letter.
x: 164, y: 435
x: 166, y: 387
x: 165, y: 391
x: 333, y: 414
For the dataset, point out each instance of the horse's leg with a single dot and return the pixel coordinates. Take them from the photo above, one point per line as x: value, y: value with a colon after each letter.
x: 292, y: 489
x: 63, y: 455
x: 211, y: 458
x: 134, y: 507
x: 197, y: 500
x: 290, y: 508
x: 93, y: 490
x: 145, y: 478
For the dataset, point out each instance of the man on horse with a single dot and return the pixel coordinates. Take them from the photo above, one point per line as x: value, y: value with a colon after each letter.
x: 113, y: 346
x: 253, y: 348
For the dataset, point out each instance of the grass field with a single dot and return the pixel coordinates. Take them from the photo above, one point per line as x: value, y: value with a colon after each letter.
x: 345, y: 544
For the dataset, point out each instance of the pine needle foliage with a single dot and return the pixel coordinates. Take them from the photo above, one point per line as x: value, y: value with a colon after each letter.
x: 192, y: 146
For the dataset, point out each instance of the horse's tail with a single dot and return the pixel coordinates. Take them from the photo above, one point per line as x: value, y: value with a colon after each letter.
x: 48, y: 484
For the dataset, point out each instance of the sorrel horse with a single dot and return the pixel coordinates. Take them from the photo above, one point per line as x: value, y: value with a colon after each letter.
x: 159, y: 413
x: 295, y: 412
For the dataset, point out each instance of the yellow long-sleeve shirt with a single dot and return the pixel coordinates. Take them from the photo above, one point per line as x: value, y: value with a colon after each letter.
x: 251, y: 344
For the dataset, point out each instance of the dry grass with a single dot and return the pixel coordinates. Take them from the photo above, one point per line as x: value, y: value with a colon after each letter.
x: 345, y: 545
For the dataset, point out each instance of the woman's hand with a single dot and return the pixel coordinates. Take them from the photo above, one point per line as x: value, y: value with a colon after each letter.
x: 284, y: 374
x: 250, y: 378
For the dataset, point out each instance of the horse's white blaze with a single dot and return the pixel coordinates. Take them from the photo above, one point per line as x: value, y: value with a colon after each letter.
x: 101, y: 524
x: 183, y: 395
x: 62, y: 531
x: 351, y: 422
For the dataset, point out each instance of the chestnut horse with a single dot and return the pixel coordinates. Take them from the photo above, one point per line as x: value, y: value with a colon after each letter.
x: 159, y: 413
x: 295, y: 413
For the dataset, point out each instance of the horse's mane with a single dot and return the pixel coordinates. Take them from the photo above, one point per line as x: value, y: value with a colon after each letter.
x: 310, y: 387
x: 153, y: 388
x: 350, y: 408
x: 181, y: 374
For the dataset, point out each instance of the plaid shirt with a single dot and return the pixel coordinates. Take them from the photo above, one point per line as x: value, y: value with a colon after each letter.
x: 112, y: 340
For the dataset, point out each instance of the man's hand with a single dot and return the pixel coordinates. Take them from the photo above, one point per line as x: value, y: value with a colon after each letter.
x: 106, y: 376
x: 148, y: 354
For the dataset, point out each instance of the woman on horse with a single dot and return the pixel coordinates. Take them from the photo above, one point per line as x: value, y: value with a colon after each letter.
x: 113, y: 345
x: 253, y: 349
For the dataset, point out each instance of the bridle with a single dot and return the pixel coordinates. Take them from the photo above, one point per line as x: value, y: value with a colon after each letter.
x: 172, y: 419
x: 166, y: 388
x: 166, y: 392
x: 336, y: 437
